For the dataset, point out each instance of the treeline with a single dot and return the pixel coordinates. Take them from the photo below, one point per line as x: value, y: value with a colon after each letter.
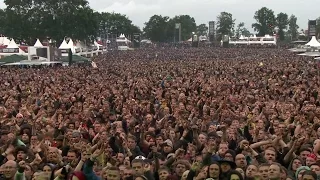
x: 27, y: 20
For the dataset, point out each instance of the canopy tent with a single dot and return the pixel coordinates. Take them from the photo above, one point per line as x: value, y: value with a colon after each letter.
x: 76, y: 59
x: 203, y: 38
x: 189, y: 40
x: 313, y: 42
x: 97, y: 44
x: 122, y: 38
x: 12, y: 59
x: 298, y: 50
x: 64, y: 45
x: 33, y: 63
x: 241, y: 37
x: 12, y: 45
x: 146, y: 41
x: 310, y: 54
x: 70, y: 43
x: 38, y: 44
x: 80, y: 45
x: 71, y: 46
x: 4, y: 41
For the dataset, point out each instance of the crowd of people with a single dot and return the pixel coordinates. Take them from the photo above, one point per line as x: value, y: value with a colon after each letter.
x: 164, y: 114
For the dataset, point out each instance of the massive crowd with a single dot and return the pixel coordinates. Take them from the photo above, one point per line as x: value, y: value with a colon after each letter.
x: 164, y: 114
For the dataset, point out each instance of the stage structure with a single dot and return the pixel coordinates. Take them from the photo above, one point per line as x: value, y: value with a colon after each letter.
x: 177, y: 32
x: 136, y: 39
x: 211, y: 31
x: 312, y: 25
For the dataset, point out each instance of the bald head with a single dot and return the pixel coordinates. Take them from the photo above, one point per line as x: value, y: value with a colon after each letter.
x: 9, y: 169
x: 11, y: 163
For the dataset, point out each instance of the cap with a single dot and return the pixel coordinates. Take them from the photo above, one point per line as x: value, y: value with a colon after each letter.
x: 170, y: 155
x: 220, y: 133
x: 140, y: 157
x: 168, y: 142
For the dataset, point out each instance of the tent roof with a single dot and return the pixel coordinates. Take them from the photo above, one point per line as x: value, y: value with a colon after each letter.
x: 96, y: 44
x: 4, y: 41
x: 80, y: 45
x: 76, y: 59
x: 313, y: 42
x: 241, y: 37
x: 70, y: 43
x: 12, y: 44
x: 38, y: 44
x: 311, y: 54
x: 13, y: 58
x: 64, y: 45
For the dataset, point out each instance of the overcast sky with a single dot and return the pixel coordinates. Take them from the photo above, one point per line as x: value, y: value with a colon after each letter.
x: 139, y: 11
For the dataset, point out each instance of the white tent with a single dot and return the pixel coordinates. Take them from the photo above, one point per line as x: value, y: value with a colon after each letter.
x: 241, y: 37
x: 64, y: 45
x: 298, y: 50
x: 38, y: 44
x: 313, y: 42
x: 97, y: 44
x: 71, y: 46
x: 12, y: 45
x: 4, y: 41
x: 122, y: 38
x: 70, y: 43
x: 318, y: 58
x: 310, y: 54
x: 80, y: 45
x: 146, y: 41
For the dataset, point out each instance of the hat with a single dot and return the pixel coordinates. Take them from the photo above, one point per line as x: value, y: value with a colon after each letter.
x: 301, y: 168
x: 140, y: 157
x: 170, y: 155
x: 220, y: 133
x: 231, y: 163
x: 313, y: 156
x: 168, y: 142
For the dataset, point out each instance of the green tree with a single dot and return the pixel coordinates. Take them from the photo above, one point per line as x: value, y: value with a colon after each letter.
x: 225, y: 25
x: 28, y: 20
x: 116, y: 23
x: 202, y: 30
x: 188, y: 25
x: 265, y: 21
x: 2, y: 20
x: 282, y: 24
x: 156, y: 28
x: 293, y: 27
x: 241, y: 30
